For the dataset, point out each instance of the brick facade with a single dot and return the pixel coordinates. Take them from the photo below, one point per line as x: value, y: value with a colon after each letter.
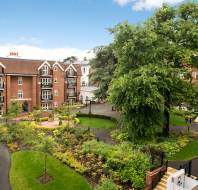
x: 37, y: 83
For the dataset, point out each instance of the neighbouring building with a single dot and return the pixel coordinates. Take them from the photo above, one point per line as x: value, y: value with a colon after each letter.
x: 87, y: 92
x: 38, y: 83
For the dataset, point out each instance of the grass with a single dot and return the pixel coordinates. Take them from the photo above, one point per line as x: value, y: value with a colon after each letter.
x: 177, y: 120
x: 188, y: 152
x: 27, y: 166
x: 98, y: 123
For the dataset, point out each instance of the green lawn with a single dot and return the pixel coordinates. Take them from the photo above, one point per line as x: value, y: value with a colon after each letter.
x: 176, y: 120
x: 27, y: 166
x: 188, y: 152
x: 96, y: 123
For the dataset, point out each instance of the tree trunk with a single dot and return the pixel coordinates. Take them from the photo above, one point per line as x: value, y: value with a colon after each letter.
x: 166, y: 127
x: 45, y: 169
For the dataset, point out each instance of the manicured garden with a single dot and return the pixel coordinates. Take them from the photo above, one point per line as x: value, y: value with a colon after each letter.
x: 98, y: 123
x: 27, y: 167
x: 177, y: 120
x: 189, y: 152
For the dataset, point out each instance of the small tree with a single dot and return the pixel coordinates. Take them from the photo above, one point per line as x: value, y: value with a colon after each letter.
x: 46, y: 145
x: 13, y: 110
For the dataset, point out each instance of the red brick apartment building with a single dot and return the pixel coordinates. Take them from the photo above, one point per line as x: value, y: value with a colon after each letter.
x: 37, y: 83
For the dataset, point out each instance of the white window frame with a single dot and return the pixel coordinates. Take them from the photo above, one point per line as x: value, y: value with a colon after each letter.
x: 20, y: 94
x: 20, y: 80
x: 45, y: 70
x: 1, y: 82
x: 45, y: 94
x: 44, y: 106
x: 46, y: 81
x: 1, y: 110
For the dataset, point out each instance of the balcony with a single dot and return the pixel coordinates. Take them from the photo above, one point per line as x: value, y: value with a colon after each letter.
x: 70, y: 95
x: 46, y: 98
x: 71, y: 85
x: 49, y: 85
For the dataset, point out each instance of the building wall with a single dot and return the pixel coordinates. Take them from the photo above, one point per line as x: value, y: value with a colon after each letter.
x: 58, y: 86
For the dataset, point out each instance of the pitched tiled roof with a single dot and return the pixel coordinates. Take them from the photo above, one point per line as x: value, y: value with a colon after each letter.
x: 28, y: 66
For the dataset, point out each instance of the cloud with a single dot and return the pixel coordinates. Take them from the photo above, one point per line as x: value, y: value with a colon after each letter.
x: 123, y: 2
x: 35, y: 52
x: 139, y: 5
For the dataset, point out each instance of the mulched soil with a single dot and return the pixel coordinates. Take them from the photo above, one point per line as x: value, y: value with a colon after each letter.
x: 44, y: 179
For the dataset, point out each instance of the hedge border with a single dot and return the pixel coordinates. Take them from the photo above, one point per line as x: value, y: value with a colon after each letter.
x: 79, y: 114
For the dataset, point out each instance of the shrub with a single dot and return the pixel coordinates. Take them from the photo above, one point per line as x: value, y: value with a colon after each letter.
x: 68, y: 158
x: 13, y: 147
x: 125, y: 161
x: 76, y: 120
x: 44, y: 119
x: 3, y: 133
x: 64, y: 117
x: 106, y: 184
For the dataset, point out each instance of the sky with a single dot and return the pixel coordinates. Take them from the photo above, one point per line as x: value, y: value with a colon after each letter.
x: 55, y: 29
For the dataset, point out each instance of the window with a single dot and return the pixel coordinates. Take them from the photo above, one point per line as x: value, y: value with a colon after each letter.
x: 20, y: 94
x: 1, y: 82
x: 44, y: 106
x: 71, y: 82
x: 1, y: 110
x: 84, y: 70
x: 55, y: 104
x: 83, y: 83
x: 55, y: 92
x: 71, y: 92
x: 46, y: 95
x: 46, y: 81
x: 45, y: 70
x: 20, y: 80
x: 55, y: 80
x: 71, y: 72
x: 1, y: 96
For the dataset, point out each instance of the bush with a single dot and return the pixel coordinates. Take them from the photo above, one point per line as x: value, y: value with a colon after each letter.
x: 68, y: 158
x: 106, y: 184
x: 64, y: 117
x: 79, y: 114
x: 44, y: 119
x: 128, y: 163
x: 3, y: 133
x: 76, y: 120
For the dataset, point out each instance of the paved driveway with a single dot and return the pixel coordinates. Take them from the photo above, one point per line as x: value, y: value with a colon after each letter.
x: 4, y: 168
x: 101, y: 109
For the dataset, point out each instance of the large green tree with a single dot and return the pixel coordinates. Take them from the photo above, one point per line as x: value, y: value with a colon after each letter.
x: 159, y: 51
x: 102, y: 69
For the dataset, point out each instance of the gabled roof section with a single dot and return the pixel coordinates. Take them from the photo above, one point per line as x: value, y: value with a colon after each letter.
x: 70, y: 66
x: 44, y: 63
x: 2, y: 65
x: 57, y: 63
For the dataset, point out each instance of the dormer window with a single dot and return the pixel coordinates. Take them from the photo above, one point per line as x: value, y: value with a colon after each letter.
x: 45, y: 70
x: 71, y: 72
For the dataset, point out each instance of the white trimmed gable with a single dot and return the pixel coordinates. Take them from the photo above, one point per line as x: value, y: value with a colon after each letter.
x: 2, y: 65
x: 44, y: 63
x: 71, y: 66
x: 56, y: 63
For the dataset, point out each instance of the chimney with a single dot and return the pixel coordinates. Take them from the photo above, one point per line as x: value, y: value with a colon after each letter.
x: 13, y: 54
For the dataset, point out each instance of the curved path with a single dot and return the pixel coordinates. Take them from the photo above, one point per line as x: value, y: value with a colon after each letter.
x: 4, y: 168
